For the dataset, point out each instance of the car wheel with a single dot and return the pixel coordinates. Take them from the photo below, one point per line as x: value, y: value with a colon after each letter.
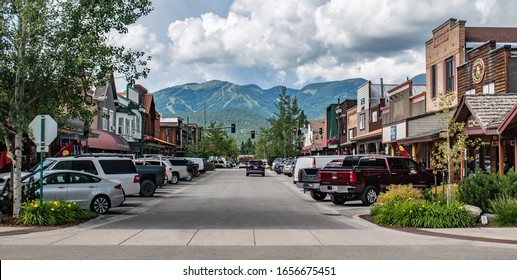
x: 147, y: 188
x: 337, y: 199
x: 189, y: 177
x: 369, y: 196
x: 263, y: 174
x: 100, y: 204
x: 174, y: 179
x: 247, y: 174
x: 317, y: 195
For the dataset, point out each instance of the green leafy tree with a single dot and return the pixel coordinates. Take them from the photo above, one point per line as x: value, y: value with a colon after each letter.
x: 243, y: 148
x: 450, y: 152
x: 51, y: 54
x: 284, y: 141
x: 263, y: 147
x: 215, y: 142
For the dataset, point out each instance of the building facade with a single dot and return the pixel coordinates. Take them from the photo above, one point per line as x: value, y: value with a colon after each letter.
x: 370, y: 100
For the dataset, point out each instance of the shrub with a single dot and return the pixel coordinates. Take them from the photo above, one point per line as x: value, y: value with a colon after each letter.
x: 480, y: 189
x: 439, y: 193
x: 422, y: 214
x: 505, y: 210
x: 52, y: 213
x: 508, y: 184
x: 6, y: 196
x: 398, y: 193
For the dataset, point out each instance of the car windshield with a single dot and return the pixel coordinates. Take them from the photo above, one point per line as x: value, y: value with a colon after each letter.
x: 35, y: 176
x: 46, y: 164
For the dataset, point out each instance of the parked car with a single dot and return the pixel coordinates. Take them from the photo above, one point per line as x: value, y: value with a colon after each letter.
x: 171, y: 175
x: 201, y: 162
x: 151, y: 177
x: 287, y: 168
x: 90, y: 192
x: 307, y: 178
x: 275, y: 162
x: 119, y: 169
x: 371, y: 176
x: 280, y: 166
x: 311, y: 162
x: 256, y: 167
x: 181, y: 165
x: 243, y: 164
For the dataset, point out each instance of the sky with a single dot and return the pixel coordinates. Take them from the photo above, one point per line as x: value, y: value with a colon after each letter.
x: 296, y: 42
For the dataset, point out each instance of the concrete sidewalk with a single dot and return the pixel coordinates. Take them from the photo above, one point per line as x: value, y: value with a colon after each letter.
x: 364, y: 233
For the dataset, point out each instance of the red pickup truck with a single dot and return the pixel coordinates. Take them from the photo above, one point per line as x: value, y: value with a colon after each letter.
x: 372, y: 175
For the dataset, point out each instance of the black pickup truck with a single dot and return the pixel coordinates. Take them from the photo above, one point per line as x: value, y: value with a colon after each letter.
x: 151, y: 176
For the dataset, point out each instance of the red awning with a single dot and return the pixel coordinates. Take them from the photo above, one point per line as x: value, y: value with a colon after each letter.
x: 108, y: 141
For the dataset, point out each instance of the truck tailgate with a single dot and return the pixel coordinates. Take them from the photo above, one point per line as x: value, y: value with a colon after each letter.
x: 308, y: 175
x: 334, y: 176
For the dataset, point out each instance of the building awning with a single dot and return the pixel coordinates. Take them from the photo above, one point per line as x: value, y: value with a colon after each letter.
x: 311, y: 148
x: 107, y: 141
x: 148, y: 139
x: 369, y: 135
x: 429, y: 136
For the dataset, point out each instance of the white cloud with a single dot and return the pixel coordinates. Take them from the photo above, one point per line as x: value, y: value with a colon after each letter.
x: 302, y: 41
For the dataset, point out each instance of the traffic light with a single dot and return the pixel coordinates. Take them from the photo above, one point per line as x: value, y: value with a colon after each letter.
x: 321, y: 130
x: 233, y: 128
x: 253, y: 134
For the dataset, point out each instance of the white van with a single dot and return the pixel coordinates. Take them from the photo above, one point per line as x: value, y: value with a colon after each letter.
x: 312, y: 162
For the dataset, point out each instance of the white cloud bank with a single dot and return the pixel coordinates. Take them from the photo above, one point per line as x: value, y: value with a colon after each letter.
x: 295, y: 42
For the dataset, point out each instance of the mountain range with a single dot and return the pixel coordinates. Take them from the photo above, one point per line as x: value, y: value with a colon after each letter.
x: 217, y: 95
x: 248, y: 106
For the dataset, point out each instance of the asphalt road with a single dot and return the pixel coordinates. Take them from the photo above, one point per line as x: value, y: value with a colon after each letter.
x: 227, y: 199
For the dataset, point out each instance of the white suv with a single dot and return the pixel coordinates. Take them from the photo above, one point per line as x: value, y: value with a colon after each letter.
x: 119, y: 169
x: 180, y: 165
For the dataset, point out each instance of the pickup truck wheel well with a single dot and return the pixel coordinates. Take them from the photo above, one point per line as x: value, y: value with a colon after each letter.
x: 317, y: 195
x: 338, y: 199
x: 147, y: 188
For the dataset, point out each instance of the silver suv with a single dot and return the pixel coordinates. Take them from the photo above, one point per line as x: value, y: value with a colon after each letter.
x: 118, y: 169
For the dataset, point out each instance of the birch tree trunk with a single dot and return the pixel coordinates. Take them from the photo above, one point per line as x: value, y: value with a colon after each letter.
x: 19, y: 94
x: 17, y: 172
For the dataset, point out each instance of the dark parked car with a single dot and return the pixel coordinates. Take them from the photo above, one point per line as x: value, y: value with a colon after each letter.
x: 256, y: 167
x: 279, y: 167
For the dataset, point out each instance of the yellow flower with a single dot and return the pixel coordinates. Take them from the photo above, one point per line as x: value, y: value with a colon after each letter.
x: 51, y: 209
x: 69, y: 205
x: 35, y: 205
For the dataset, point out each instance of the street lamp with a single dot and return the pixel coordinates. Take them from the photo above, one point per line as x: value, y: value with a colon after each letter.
x: 338, y: 116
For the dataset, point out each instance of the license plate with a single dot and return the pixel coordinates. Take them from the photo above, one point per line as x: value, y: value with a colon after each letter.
x: 334, y: 188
